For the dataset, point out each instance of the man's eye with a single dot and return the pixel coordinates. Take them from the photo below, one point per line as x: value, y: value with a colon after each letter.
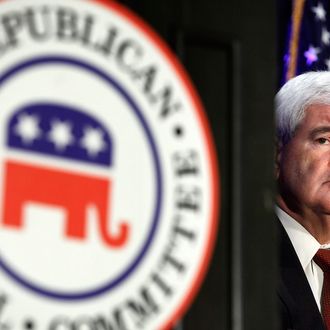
x: 322, y: 141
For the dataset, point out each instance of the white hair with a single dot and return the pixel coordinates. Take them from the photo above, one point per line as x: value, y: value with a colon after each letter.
x: 295, y: 97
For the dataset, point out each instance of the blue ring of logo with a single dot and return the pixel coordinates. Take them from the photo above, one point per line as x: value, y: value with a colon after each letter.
x: 155, y: 218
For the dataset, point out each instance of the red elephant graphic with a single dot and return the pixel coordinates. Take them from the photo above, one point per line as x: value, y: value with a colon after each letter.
x: 70, y: 190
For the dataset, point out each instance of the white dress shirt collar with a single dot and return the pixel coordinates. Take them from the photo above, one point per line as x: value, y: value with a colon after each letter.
x: 303, y: 242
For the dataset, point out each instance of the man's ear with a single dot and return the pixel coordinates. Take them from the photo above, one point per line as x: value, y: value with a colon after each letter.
x: 278, y: 156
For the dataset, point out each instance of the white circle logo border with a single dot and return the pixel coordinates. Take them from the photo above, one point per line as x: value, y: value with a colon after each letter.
x: 206, y: 166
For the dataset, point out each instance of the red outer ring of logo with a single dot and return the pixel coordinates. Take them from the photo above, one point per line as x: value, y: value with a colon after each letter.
x: 212, y: 161
x: 177, y: 67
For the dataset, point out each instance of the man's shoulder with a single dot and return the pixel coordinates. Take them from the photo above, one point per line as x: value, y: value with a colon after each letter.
x: 297, y: 306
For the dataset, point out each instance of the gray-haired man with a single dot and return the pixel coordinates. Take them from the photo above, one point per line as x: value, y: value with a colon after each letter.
x: 303, y: 203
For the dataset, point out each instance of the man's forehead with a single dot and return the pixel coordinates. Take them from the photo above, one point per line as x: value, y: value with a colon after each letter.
x: 316, y: 120
x: 317, y: 114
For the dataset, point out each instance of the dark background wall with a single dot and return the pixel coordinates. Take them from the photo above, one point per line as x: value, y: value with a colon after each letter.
x: 228, y: 48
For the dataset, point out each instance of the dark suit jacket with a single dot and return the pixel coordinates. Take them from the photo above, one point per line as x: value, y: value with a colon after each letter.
x: 298, y: 308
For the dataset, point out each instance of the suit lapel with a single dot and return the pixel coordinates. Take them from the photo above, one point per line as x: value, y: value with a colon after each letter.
x: 297, y: 299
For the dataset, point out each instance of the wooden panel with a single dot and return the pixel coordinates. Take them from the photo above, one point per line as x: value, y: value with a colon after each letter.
x: 210, y: 59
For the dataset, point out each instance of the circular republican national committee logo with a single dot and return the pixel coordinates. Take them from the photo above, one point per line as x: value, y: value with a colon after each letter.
x: 108, y: 199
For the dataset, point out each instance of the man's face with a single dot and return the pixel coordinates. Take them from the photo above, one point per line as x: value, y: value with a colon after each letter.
x: 304, y: 164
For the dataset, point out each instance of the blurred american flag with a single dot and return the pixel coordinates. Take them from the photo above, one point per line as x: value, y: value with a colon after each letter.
x: 307, y: 45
